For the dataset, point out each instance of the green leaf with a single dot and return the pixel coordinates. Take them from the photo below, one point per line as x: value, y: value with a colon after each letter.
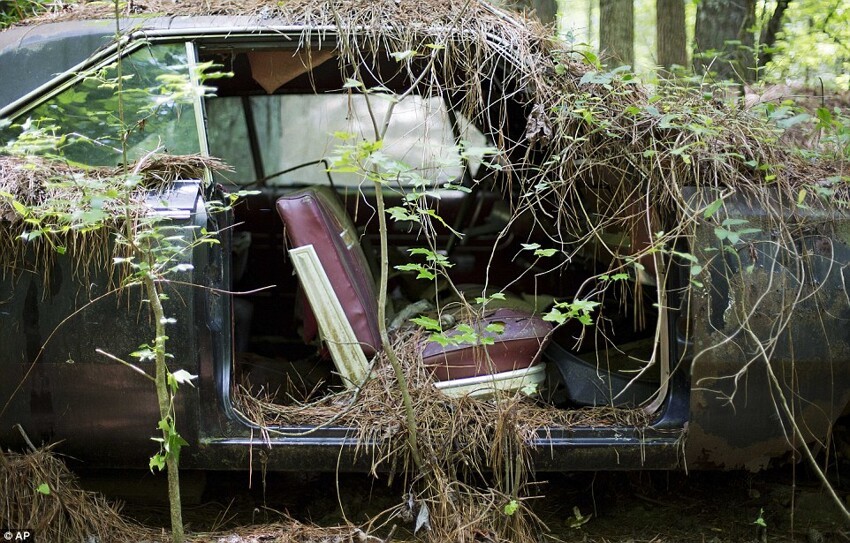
x: 175, y: 443
x: 666, y: 121
x: 43, y: 488
x: 432, y: 213
x: 431, y: 256
x: 824, y: 117
x: 530, y: 246
x: 145, y: 353
x: 427, y: 323
x: 530, y: 389
x: 584, y: 305
x: 795, y: 120
x: 352, y: 84
x: 20, y: 208
x: 585, y: 319
x: 401, y: 214
x: 545, y: 252
x: 556, y: 316
x: 422, y: 271
x: 686, y: 256
x: 760, y: 520
x: 183, y: 377
x: 495, y: 327
x: 712, y: 208
x: 157, y: 461
x: 400, y: 56
x: 511, y: 507
x: 578, y: 519
x: 440, y: 338
x: 494, y: 296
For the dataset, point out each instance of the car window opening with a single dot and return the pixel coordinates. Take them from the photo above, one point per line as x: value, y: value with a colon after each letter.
x: 279, y: 126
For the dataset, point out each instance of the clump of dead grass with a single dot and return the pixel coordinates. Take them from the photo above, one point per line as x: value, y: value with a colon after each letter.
x: 61, y: 511
x: 52, y: 197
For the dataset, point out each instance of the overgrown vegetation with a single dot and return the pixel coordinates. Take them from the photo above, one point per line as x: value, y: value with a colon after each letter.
x: 596, y: 153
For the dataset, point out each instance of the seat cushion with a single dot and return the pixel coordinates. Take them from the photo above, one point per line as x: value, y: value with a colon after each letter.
x: 518, y: 346
x: 314, y: 216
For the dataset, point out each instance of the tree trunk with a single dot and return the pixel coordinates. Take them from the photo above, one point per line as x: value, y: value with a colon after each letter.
x: 164, y: 399
x: 724, y: 40
x: 546, y: 10
x: 771, y: 30
x: 670, y: 33
x: 617, y: 32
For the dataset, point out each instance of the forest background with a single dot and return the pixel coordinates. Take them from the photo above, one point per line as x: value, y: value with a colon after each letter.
x: 794, y: 43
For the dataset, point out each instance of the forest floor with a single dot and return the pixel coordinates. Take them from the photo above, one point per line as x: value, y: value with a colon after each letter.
x: 622, y: 507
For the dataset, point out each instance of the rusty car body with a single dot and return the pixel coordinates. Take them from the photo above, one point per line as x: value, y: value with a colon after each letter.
x: 715, y: 409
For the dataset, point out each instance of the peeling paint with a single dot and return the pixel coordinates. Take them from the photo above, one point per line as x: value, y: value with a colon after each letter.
x: 780, y: 302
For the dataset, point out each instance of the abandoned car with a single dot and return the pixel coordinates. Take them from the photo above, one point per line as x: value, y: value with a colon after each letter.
x: 687, y: 325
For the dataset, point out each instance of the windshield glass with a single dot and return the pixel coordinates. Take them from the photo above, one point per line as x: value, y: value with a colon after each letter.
x: 150, y: 109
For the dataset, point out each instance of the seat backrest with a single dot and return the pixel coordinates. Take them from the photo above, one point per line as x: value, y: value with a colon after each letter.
x: 314, y: 216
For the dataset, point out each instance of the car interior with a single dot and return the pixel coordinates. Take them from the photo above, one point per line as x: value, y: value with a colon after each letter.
x: 285, y: 120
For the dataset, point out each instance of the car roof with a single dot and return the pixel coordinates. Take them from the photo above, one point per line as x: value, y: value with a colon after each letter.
x: 42, y: 54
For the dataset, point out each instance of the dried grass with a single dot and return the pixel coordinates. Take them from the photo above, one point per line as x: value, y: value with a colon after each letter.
x: 57, y: 194
x: 292, y: 531
x: 476, y: 452
x: 67, y: 513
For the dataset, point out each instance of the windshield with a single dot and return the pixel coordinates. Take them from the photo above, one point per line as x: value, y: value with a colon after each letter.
x: 150, y: 111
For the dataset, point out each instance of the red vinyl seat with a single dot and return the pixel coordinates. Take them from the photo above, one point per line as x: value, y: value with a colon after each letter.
x: 314, y: 216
